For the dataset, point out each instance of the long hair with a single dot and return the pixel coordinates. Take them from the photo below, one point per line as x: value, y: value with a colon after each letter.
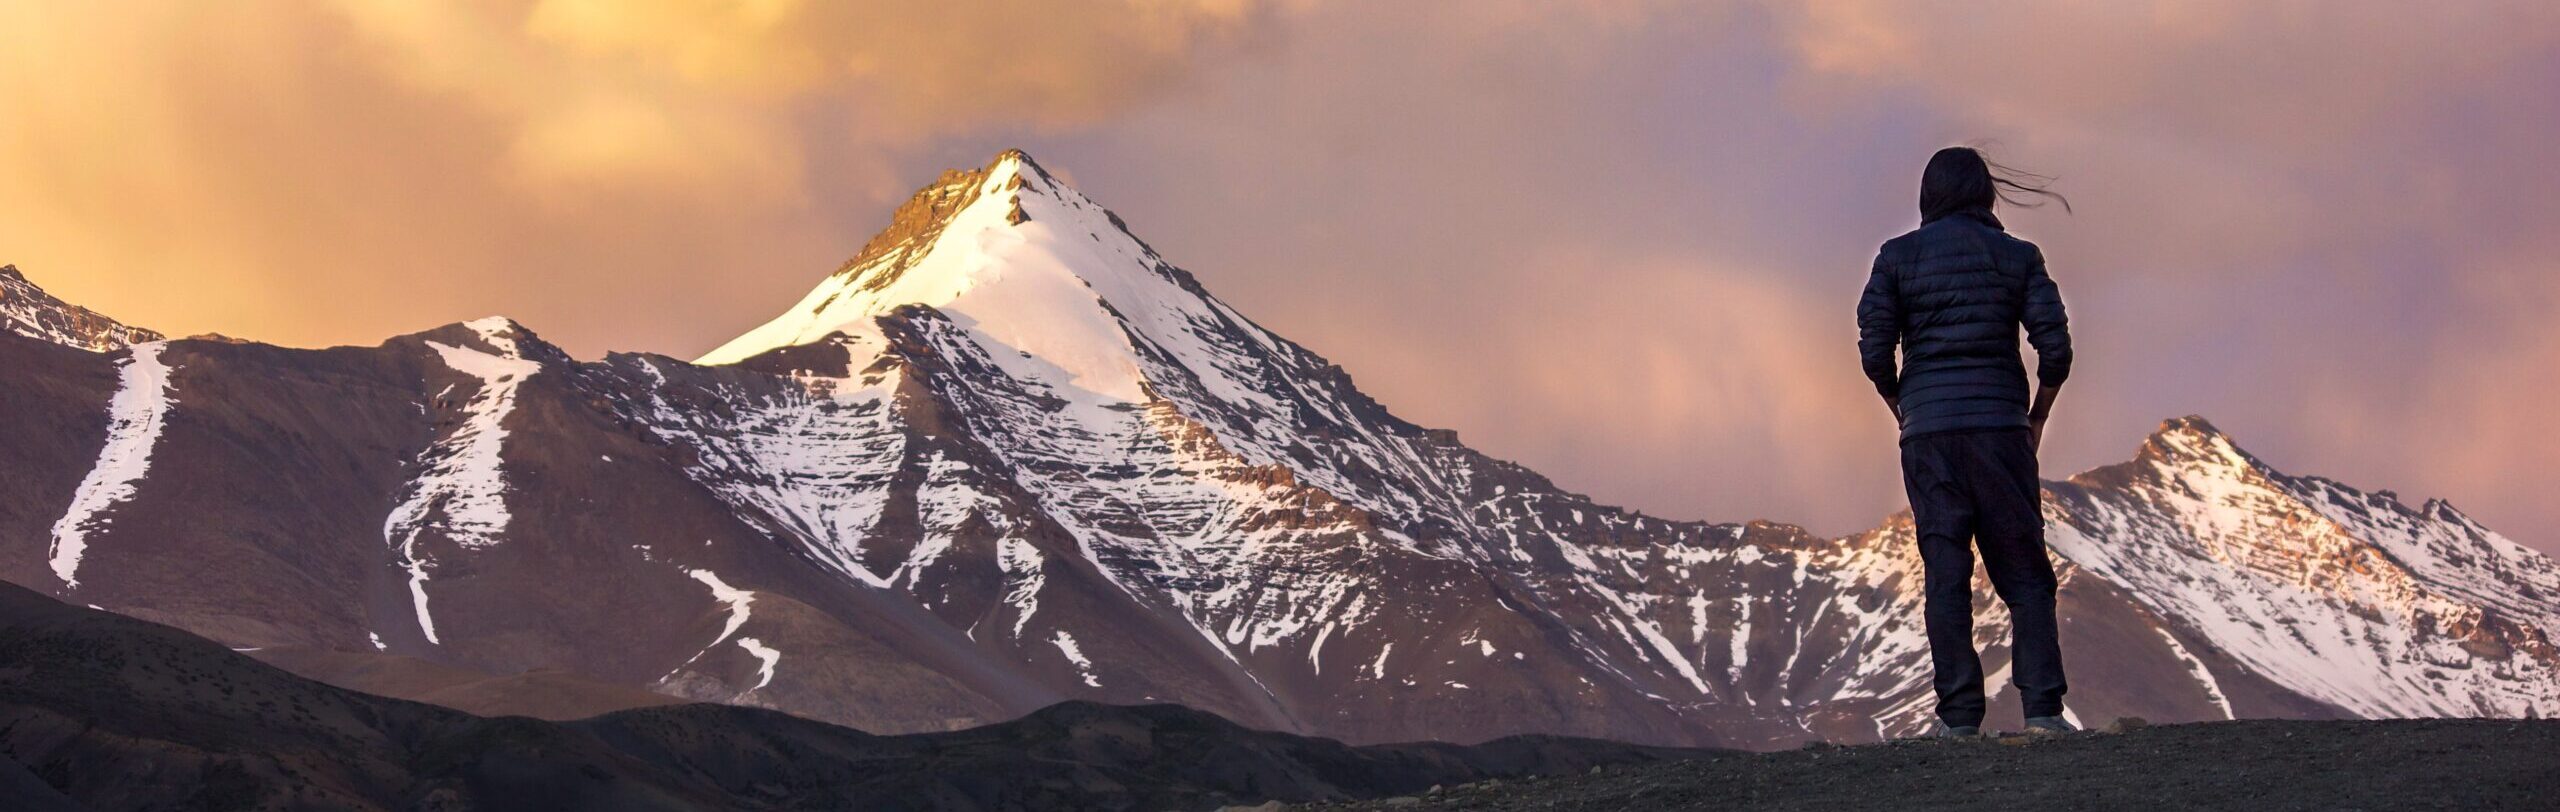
x: 1959, y: 178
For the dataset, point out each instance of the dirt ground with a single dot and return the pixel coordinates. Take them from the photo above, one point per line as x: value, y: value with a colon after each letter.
x: 2256, y: 765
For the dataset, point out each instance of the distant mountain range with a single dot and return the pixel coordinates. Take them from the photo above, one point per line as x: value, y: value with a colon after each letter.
x: 1008, y: 456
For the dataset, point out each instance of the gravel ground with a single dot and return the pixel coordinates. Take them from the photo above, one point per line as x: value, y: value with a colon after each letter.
x: 2256, y: 765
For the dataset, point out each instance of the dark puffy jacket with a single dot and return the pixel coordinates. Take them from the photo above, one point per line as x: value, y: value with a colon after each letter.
x: 1952, y: 294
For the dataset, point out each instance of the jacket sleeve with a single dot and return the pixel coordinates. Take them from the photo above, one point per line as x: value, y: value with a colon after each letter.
x: 2048, y: 327
x: 1880, y: 327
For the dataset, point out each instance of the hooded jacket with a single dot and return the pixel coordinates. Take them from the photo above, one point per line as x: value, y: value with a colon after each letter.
x: 1951, y: 296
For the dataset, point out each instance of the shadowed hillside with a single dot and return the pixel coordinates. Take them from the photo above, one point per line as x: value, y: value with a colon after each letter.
x: 115, y: 713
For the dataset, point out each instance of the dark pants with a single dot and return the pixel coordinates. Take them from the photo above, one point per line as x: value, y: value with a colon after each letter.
x: 1981, y: 487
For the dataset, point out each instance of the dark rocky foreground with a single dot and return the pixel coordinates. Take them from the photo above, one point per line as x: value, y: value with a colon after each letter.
x: 102, y: 712
x: 99, y: 711
x: 2256, y: 765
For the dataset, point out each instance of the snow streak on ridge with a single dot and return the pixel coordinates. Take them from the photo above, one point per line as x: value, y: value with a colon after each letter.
x: 809, y: 461
x: 737, y: 600
x: 134, y: 420
x: 463, y: 481
x: 2203, y: 674
x: 1075, y: 655
x: 768, y: 657
x: 29, y: 311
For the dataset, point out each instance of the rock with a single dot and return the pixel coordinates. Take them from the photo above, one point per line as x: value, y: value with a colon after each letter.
x: 2126, y: 724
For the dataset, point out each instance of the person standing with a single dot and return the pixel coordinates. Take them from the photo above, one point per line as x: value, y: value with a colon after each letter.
x: 1951, y: 296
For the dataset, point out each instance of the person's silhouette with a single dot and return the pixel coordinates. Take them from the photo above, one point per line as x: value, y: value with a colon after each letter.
x: 1951, y: 296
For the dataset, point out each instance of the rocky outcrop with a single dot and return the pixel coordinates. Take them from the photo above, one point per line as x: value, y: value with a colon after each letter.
x: 28, y: 311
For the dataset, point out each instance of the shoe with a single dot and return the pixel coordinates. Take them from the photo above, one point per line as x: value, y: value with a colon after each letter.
x: 1939, y: 729
x: 2050, y: 726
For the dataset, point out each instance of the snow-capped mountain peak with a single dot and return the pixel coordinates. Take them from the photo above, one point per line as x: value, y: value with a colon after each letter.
x: 1050, y: 289
x: 2348, y: 597
x: 1032, y: 269
x: 507, y: 337
x: 2192, y: 440
x: 29, y: 311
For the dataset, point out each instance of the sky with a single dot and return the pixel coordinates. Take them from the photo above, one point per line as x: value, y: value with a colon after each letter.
x: 1617, y: 241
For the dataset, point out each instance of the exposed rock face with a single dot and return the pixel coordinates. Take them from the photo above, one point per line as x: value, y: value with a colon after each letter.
x: 1009, y: 455
x: 29, y: 311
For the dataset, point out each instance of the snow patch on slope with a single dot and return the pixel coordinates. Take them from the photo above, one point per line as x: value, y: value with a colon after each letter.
x: 1075, y: 654
x: 768, y: 658
x: 810, y: 461
x: 737, y: 600
x: 2203, y: 675
x: 135, y: 417
x: 1023, y: 573
x: 462, y: 481
x: 463, y: 477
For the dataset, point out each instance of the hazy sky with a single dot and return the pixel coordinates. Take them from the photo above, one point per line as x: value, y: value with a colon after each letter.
x: 1619, y: 242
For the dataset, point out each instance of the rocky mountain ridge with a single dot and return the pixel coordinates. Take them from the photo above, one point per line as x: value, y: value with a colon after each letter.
x: 27, y: 310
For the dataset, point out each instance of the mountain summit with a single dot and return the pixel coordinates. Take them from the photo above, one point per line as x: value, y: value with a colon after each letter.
x: 1008, y: 455
x: 1046, y: 280
x: 29, y: 311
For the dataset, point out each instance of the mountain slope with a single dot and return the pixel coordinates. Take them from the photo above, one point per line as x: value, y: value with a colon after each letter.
x: 29, y: 311
x: 1009, y: 456
x: 2352, y: 598
x: 120, y: 714
x: 541, y: 694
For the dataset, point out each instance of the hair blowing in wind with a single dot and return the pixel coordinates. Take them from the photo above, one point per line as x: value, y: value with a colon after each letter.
x: 1961, y: 178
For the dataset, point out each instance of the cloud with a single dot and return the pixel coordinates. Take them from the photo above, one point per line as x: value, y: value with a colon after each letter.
x: 2272, y: 198
x: 604, y: 91
x: 338, y: 170
x: 2322, y: 221
x: 1617, y: 241
x: 2472, y: 421
x: 1693, y: 390
x: 942, y: 65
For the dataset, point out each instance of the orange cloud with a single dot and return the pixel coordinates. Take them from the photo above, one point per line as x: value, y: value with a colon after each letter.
x: 1666, y: 382
x: 333, y: 171
x: 2294, y: 217
x: 687, y: 92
